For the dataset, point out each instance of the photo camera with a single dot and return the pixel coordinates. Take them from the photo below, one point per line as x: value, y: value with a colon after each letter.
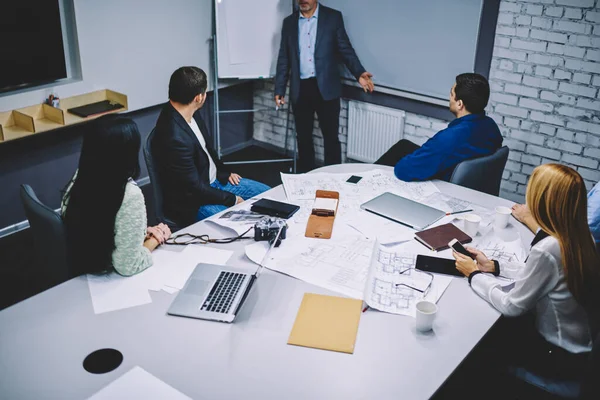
x: 266, y: 229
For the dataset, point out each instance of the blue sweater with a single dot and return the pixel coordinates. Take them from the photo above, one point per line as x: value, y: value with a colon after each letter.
x: 471, y: 136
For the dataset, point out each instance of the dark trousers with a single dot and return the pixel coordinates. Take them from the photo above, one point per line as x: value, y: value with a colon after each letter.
x: 309, y: 102
x: 396, y: 152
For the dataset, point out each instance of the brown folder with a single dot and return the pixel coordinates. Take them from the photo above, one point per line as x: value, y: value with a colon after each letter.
x: 320, y: 222
x: 327, y: 323
x: 438, y: 238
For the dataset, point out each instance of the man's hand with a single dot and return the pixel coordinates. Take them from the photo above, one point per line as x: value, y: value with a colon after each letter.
x: 234, y: 179
x: 279, y: 101
x: 366, y: 82
x: 238, y: 200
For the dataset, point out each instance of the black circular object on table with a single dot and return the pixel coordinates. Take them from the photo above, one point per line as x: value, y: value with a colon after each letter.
x: 102, y: 361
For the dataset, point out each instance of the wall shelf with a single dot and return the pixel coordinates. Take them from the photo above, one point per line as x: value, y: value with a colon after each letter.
x: 40, y: 118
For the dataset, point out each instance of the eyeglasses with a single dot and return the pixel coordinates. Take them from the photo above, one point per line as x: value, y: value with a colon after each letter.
x: 423, y: 291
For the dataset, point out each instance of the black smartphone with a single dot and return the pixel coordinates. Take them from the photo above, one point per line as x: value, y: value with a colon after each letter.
x: 437, y: 265
x: 459, y: 248
x: 354, y: 179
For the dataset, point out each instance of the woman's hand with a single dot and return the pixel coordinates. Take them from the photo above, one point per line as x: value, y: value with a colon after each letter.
x: 483, y: 263
x: 160, y: 232
x: 466, y: 265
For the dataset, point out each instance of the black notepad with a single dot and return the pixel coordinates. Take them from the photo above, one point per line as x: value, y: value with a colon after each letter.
x: 274, y: 208
x: 100, y: 107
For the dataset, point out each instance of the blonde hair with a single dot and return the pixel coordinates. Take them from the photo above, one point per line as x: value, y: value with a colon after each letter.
x: 557, y: 198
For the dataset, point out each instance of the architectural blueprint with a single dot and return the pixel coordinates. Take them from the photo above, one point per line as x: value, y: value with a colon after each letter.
x: 338, y: 264
x: 395, y: 286
x: 374, y: 183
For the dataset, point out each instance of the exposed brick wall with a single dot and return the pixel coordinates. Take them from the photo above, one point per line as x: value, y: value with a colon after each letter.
x: 545, y: 81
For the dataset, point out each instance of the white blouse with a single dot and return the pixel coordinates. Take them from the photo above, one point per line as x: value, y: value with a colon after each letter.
x: 540, y: 286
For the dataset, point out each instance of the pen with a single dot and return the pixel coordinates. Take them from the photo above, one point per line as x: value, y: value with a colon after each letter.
x: 458, y: 212
x: 365, y: 309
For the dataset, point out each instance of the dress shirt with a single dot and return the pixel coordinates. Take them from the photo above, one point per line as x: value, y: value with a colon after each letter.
x: 307, y: 38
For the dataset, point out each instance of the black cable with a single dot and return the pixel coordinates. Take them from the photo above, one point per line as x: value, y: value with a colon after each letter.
x: 204, y: 239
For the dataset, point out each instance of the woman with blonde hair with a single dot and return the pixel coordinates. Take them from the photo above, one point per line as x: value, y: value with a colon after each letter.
x: 558, y: 284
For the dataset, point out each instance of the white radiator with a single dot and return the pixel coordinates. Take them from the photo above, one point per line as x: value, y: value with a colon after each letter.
x: 372, y: 130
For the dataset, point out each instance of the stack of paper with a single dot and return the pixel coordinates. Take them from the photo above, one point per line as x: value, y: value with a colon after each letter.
x: 138, y: 384
x: 169, y: 272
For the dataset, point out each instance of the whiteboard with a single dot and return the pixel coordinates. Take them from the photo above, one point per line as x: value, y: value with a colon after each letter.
x: 248, y: 36
x: 133, y: 47
x: 416, y: 46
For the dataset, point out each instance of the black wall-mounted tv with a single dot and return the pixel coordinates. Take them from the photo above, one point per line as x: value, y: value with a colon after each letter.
x: 32, y: 50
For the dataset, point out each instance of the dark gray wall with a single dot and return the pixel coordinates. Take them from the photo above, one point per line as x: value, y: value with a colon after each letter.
x: 47, y: 161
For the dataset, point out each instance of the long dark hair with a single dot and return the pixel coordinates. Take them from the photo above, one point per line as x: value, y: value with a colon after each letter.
x: 109, y: 157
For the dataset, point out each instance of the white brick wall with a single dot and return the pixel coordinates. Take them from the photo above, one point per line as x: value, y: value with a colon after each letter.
x: 545, y: 81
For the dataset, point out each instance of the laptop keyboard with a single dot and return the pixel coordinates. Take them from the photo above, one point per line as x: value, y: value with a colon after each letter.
x: 223, y: 292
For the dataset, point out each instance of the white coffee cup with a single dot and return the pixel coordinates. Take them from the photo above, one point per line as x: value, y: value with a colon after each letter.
x: 426, y: 311
x: 502, y: 216
x: 471, y: 224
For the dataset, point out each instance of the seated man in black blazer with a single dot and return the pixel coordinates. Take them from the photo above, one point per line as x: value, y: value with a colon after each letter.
x: 195, y: 183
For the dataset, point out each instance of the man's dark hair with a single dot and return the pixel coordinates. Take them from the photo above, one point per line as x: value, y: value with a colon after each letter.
x: 187, y: 83
x: 473, y: 90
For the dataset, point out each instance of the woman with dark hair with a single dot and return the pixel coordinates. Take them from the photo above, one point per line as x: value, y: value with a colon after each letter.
x: 103, y: 209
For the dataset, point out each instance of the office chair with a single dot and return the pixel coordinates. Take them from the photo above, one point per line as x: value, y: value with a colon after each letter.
x: 483, y: 174
x: 49, y: 239
x: 157, y: 193
x: 539, y: 387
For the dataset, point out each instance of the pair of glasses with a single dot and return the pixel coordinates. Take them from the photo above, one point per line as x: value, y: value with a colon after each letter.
x: 423, y: 291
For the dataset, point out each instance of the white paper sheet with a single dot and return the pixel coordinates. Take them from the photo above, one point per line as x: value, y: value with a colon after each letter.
x: 339, y: 264
x: 113, y: 292
x: 138, y: 384
x: 384, y: 230
x: 188, y: 259
x: 393, y: 280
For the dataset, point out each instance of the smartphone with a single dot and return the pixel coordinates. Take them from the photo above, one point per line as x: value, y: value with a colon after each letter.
x: 437, y: 265
x: 354, y: 179
x: 459, y: 248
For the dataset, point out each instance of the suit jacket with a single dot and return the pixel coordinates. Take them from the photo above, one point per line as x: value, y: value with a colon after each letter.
x: 183, y: 167
x: 332, y: 45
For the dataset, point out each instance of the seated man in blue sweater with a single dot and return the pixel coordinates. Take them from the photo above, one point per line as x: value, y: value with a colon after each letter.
x: 472, y: 134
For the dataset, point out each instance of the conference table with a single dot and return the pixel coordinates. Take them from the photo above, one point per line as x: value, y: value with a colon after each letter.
x: 44, y: 339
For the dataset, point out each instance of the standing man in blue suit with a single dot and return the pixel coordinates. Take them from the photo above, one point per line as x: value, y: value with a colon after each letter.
x: 313, y: 39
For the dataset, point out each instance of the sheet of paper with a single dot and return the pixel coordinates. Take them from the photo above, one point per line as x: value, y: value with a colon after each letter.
x: 339, y: 264
x: 189, y: 258
x: 507, y: 249
x: 382, y: 229
x: 395, y: 286
x: 138, y: 384
x: 305, y: 186
x: 169, y: 289
x: 112, y: 292
x: 238, y: 218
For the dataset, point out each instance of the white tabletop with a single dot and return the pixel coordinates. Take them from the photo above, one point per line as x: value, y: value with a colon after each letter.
x: 44, y: 339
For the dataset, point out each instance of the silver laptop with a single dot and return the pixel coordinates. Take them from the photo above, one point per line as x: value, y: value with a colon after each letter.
x: 404, y: 211
x: 216, y: 292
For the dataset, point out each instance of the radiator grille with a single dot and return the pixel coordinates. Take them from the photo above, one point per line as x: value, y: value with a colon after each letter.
x: 372, y: 130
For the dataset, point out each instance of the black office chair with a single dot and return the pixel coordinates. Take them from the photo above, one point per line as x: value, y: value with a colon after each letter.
x: 483, y: 174
x: 538, y: 387
x: 49, y: 239
x: 156, y: 185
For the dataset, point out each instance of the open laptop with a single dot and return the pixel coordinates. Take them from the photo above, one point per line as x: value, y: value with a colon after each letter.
x: 404, y: 211
x: 216, y: 292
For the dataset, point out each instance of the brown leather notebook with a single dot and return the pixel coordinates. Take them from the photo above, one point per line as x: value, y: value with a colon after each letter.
x: 320, y: 222
x: 437, y: 238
